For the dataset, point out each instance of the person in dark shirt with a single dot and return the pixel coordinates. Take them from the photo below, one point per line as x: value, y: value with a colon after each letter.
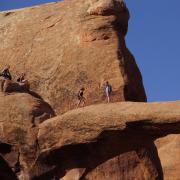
x: 5, y: 73
x: 81, y: 98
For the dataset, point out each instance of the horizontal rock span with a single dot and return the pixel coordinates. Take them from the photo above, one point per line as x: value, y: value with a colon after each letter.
x: 106, y: 141
x: 88, y: 123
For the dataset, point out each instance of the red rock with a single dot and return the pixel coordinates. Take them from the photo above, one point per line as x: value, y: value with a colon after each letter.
x: 169, y: 154
x: 20, y: 114
x: 65, y: 46
x: 62, y: 47
x: 106, y: 141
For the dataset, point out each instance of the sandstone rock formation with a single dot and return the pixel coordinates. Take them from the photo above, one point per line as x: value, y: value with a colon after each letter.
x: 169, y: 154
x: 64, y: 46
x: 20, y: 113
x: 97, y: 142
x: 106, y: 141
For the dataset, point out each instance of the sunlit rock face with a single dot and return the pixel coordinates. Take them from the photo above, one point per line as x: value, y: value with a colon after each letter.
x: 68, y: 45
x: 169, y: 154
x: 62, y: 47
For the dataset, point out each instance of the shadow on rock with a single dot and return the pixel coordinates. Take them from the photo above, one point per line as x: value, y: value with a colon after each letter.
x: 133, y: 87
x: 5, y: 171
x: 8, y: 87
x: 136, y: 153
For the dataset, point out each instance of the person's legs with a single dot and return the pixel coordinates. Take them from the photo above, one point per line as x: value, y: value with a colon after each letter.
x: 83, y: 101
x: 79, y: 102
x: 107, y: 95
x: 108, y: 98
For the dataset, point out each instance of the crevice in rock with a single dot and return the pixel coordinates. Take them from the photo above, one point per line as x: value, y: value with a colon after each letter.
x: 5, y: 148
x: 154, y: 130
x: 5, y: 171
x: 54, y: 24
x: 17, y: 166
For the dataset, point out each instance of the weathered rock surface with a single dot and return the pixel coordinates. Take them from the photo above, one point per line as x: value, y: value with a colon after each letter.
x: 106, y: 141
x: 20, y: 113
x: 169, y: 154
x: 97, y: 142
x: 64, y: 46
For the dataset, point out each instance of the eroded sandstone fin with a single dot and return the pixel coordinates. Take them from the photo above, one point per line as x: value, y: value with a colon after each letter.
x: 72, y: 44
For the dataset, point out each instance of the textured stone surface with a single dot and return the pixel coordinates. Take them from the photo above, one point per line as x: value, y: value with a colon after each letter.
x: 64, y: 46
x: 106, y: 141
x: 169, y: 154
x: 97, y: 142
x: 20, y: 114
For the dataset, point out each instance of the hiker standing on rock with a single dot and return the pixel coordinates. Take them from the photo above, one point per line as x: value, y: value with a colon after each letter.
x: 81, y: 98
x: 108, y: 91
x: 5, y: 73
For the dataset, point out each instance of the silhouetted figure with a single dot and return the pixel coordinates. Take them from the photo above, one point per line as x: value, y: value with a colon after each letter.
x: 6, y: 75
x: 108, y: 91
x: 81, y: 98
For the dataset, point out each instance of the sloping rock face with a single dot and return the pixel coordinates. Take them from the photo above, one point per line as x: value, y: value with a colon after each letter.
x: 114, y: 141
x: 19, y: 116
x: 72, y: 44
x: 169, y: 154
